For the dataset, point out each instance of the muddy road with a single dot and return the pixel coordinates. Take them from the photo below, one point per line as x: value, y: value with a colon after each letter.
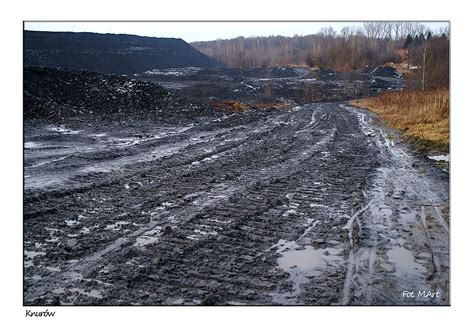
x: 315, y: 205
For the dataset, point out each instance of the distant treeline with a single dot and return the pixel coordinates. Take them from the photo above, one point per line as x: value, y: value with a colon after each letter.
x: 353, y: 48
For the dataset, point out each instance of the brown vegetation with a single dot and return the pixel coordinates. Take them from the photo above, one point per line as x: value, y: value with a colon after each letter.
x: 229, y: 105
x: 430, y: 57
x: 240, y: 106
x: 422, y: 116
x: 372, y: 43
x: 319, y: 50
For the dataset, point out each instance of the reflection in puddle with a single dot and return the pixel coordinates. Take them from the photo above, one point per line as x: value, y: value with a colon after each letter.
x: 303, y: 263
x: 404, y: 262
x: 308, y: 259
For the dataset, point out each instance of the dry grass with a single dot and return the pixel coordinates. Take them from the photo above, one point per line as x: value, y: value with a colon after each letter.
x: 423, y: 116
x: 229, y: 105
x: 240, y: 106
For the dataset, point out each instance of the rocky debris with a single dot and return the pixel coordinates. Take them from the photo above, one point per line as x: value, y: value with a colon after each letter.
x: 110, y: 53
x: 58, y: 94
x: 383, y: 71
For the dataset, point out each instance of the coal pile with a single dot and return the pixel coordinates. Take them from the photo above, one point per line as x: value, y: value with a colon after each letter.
x: 384, y: 71
x: 59, y: 94
x: 110, y: 53
x: 257, y: 86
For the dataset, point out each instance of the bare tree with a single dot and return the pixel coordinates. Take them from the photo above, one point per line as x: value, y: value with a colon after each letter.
x: 426, y: 59
x: 397, y: 30
x: 372, y: 43
x: 422, y: 54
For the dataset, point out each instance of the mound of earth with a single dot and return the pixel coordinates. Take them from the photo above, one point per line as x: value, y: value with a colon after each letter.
x: 110, y: 53
x: 384, y: 71
x: 59, y: 94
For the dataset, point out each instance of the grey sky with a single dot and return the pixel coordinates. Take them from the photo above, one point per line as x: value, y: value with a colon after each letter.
x: 200, y: 31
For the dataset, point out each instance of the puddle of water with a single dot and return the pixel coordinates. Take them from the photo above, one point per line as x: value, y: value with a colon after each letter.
x: 177, y: 302
x: 33, y: 145
x: 105, y: 166
x: 148, y: 237
x: 302, y: 264
x: 99, y: 135
x: 32, y: 254
x: 408, y: 216
x: 60, y: 290
x: 62, y: 129
x: 71, y: 222
x: 404, y: 262
x: 314, y: 205
x: 117, y: 225
x: 210, y: 158
x: 198, y: 231
x: 445, y: 157
x: 92, y: 293
x: 289, y: 212
x: 145, y: 240
x: 92, y: 169
x: 73, y: 276
x: 219, y: 221
x: 308, y: 259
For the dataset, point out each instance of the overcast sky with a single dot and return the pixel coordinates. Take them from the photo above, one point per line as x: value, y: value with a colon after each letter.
x: 199, y: 31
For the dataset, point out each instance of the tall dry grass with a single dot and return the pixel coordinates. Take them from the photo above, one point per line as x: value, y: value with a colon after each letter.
x: 423, y: 116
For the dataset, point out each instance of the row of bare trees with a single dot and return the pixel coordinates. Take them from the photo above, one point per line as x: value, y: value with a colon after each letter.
x: 353, y: 48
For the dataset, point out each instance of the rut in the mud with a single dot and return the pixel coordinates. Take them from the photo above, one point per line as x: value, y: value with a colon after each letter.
x: 279, y: 207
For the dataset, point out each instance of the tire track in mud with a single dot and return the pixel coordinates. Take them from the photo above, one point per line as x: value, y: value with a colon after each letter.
x: 184, y: 186
x: 259, y: 213
x: 395, y: 251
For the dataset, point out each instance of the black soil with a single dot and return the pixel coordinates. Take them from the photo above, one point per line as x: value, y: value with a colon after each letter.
x: 137, y: 194
x: 110, y: 53
x: 57, y: 95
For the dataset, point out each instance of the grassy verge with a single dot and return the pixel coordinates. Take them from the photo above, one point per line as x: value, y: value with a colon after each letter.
x: 422, y: 116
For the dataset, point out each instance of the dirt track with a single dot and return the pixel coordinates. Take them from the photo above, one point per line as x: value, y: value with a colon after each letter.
x: 314, y: 205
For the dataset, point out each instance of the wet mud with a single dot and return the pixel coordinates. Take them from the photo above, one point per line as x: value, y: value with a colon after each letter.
x: 314, y: 205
